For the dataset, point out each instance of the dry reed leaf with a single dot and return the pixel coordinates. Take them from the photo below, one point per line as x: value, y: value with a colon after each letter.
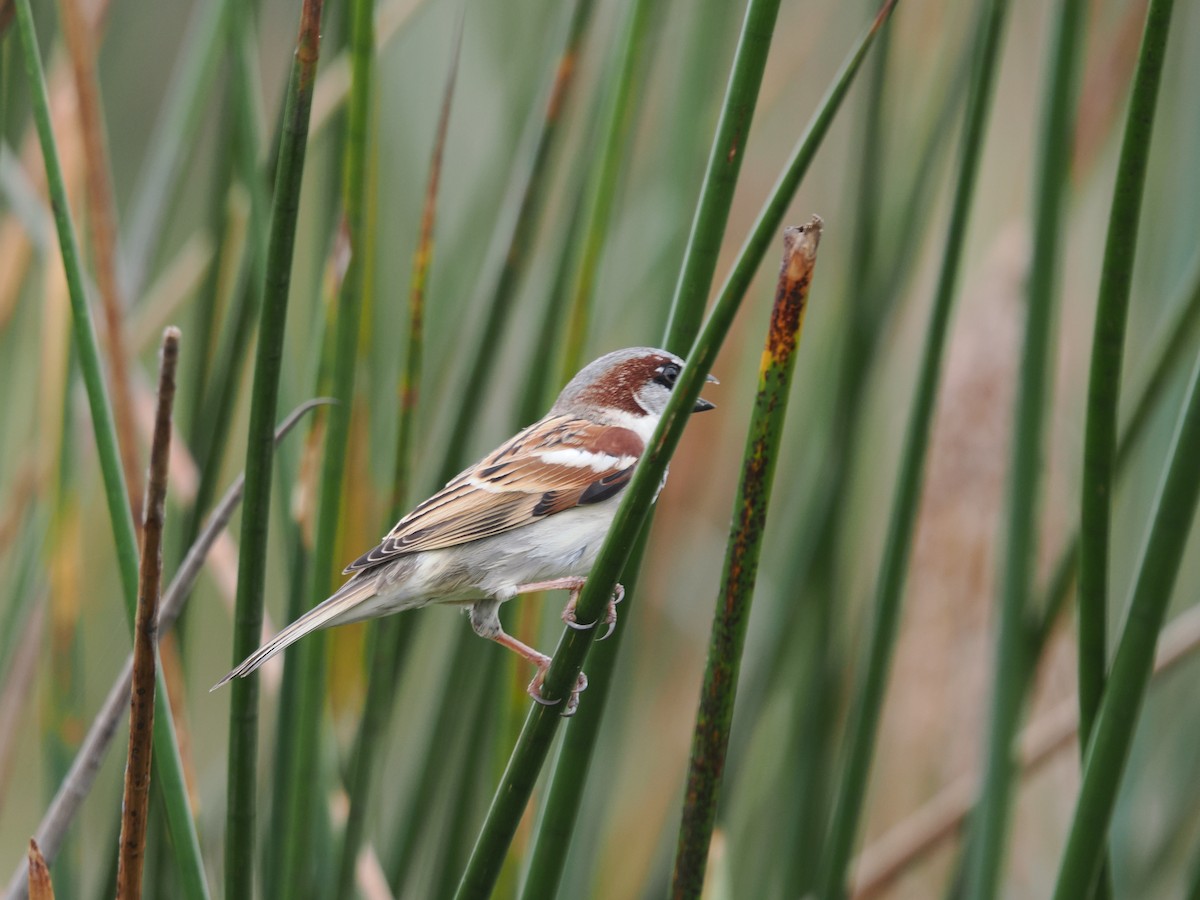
x: 40, y: 887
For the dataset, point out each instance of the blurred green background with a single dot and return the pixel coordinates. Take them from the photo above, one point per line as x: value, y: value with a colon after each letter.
x: 59, y: 588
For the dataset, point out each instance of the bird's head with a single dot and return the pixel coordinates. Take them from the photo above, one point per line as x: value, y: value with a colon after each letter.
x: 635, y: 382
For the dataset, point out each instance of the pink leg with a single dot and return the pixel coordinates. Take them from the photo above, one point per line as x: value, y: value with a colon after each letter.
x: 542, y: 661
x: 573, y: 584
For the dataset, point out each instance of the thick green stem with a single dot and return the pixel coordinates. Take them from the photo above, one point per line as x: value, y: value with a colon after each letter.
x: 243, y: 712
x: 1108, y: 353
x: 721, y: 176
x: 1116, y: 718
x: 308, y: 658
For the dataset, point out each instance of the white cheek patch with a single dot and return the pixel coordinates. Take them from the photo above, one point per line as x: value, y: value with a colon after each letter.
x: 585, y: 459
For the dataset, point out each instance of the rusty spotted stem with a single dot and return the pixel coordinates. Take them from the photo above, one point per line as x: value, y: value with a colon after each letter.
x: 714, y: 715
x: 141, y: 717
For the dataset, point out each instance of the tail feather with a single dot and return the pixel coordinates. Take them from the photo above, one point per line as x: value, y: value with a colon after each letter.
x: 323, y: 614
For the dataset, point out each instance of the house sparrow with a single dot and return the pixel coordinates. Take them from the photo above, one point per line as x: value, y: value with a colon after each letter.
x: 530, y: 516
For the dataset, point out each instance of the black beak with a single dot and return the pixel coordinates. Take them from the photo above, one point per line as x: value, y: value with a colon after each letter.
x: 703, y: 405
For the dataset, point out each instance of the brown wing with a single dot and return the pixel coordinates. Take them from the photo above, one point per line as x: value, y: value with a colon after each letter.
x: 554, y: 465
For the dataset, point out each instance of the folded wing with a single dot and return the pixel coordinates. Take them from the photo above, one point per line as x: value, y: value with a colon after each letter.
x: 555, y: 465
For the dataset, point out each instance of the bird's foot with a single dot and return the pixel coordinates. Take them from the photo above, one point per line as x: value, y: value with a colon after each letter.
x: 610, y: 613
x: 535, y: 690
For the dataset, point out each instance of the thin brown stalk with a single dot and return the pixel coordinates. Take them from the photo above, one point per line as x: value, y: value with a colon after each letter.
x: 40, y: 887
x: 141, y: 714
x: 918, y: 835
x: 101, y: 217
x: 78, y: 781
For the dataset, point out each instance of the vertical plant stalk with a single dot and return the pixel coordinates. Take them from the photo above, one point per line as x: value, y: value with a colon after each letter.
x: 1115, y: 721
x: 566, y: 791
x: 308, y: 660
x: 528, y: 756
x: 1014, y: 660
x: 75, y: 787
x: 714, y: 716
x: 721, y: 175
x: 101, y: 214
x: 136, y: 797
x: 1108, y: 353
x: 243, y: 707
x: 38, y: 879
x: 179, y: 818
x: 872, y: 682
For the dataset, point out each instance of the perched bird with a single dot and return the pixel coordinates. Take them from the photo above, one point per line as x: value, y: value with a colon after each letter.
x: 530, y: 516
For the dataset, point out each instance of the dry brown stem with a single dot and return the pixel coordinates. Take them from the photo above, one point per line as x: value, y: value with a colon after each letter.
x: 141, y: 716
x: 40, y: 887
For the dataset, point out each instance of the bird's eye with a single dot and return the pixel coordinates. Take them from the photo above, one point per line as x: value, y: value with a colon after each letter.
x: 667, y: 375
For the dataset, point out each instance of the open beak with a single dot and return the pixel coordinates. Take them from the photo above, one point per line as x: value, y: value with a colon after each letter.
x: 703, y: 405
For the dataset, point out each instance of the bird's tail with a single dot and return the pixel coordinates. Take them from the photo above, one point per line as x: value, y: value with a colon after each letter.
x: 324, y: 614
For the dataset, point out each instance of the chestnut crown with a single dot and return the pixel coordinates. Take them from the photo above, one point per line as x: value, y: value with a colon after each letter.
x: 637, y: 381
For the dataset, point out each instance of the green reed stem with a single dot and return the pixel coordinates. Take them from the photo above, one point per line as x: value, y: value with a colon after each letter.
x: 1108, y: 352
x: 721, y: 175
x: 243, y: 714
x: 308, y: 658
x: 1116, y: 718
